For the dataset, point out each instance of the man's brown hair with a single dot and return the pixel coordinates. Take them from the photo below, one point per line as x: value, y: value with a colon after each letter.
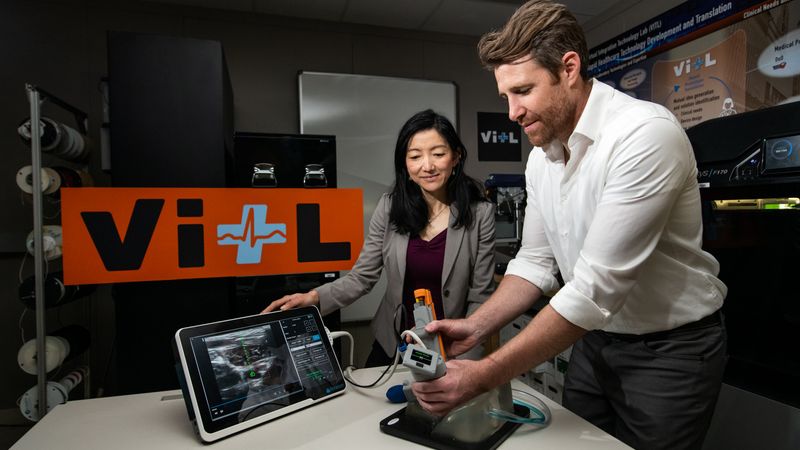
x: 540, y: 28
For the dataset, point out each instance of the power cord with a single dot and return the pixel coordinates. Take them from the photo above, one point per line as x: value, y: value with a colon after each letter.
x: 390, y: 369
x: 385, y: 376
x: 388, y: 372
x: 348, y: 371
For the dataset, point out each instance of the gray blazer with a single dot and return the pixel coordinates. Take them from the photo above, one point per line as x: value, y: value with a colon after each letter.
x: 467, y: 276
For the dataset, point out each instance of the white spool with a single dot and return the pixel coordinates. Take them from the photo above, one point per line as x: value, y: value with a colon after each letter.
x: 56, y: 350
x: 51, y: 181
x: 51, y: 242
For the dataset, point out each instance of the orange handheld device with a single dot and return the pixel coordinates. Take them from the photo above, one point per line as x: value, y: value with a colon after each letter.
x: 424, y: 313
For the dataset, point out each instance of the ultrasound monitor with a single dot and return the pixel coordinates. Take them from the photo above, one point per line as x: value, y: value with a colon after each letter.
x: 239, y: 373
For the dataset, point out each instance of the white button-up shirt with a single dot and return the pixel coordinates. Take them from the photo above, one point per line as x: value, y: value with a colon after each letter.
x: 621, y: 221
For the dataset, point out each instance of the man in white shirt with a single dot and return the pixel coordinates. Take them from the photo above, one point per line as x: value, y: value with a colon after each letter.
x: 613, y: 204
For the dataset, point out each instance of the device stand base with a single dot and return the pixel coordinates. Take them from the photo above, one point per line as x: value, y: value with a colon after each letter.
x: 412, y: 427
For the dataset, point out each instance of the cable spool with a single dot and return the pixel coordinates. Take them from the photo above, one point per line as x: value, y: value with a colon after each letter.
x: 57, y: 394
x: 49, y: 132
x: 56, y: 138
x: 56, y: 293
x: 51, y: 242
x: 70, y: 178
x: 53, y: 179
x: 73, y: 178
x: 61, y: 345
x: 56, y: 351
x: 74, y: 378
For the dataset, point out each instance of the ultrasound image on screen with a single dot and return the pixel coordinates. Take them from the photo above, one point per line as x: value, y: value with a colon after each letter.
x: 251, y: 368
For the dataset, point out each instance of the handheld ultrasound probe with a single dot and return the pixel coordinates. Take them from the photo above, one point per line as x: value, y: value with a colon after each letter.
x: 426, y: 358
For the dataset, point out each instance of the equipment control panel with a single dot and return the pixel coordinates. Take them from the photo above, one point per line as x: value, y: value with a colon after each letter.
x: 773, y: 160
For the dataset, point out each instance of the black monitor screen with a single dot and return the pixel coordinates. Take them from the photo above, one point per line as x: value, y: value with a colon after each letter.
x: 510, y: 201
x: 291, y: 158
x: 781, y: 154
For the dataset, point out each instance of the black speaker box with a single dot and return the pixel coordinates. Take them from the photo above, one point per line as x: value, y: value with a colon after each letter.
x: 171, y: 124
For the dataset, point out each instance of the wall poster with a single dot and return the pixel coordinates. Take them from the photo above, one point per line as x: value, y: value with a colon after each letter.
x: 498, y: 138
x: 705, y: 59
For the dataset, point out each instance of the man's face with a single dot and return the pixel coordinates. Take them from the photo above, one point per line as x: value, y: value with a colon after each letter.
x: 540, y: 104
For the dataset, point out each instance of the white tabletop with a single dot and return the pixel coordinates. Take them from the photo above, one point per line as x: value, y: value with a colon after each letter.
x: 158, y: 420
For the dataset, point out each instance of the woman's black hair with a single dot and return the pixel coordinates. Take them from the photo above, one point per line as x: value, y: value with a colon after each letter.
x: 409, y: 213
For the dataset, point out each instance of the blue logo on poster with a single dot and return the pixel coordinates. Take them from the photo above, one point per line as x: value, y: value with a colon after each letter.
x: 251, y: 234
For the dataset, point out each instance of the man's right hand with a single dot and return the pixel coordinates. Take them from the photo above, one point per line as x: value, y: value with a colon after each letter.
x: 460, y: 384
x: 292, y: 301
x: 459, y: 335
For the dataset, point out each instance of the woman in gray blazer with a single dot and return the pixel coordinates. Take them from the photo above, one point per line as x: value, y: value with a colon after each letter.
x: 435, y: 230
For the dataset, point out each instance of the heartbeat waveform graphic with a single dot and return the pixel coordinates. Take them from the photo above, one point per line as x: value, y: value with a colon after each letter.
x: 251, y: 234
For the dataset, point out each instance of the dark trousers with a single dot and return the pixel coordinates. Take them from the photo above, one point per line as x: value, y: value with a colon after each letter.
x: 655, y: 391
x: 378, y: 357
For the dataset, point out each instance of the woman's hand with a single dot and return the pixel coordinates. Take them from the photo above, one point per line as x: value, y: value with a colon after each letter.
x: 291, y: 301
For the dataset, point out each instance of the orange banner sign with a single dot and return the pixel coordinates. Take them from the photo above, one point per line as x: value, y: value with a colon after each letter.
x: 144, y: 234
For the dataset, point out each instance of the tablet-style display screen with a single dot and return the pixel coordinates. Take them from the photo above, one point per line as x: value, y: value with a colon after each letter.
x: 250, y: 370
x: 781, y: 154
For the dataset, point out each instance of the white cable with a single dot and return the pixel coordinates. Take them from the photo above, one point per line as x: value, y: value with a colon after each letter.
x: 348, y: 371
x: 391, y: 372
x: 380, y: 381
x: 337, y: 335
x: 22, y: 266
x: 413, y: 336
x: 21, y: 328
x: 396, y: 361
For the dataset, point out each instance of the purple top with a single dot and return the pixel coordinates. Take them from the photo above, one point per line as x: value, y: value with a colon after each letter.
x: 424, y: 264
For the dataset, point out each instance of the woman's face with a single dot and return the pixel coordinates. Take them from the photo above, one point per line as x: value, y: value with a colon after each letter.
x: 430, y: 161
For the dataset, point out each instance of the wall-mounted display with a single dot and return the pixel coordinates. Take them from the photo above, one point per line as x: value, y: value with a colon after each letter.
x: 707, y: 59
